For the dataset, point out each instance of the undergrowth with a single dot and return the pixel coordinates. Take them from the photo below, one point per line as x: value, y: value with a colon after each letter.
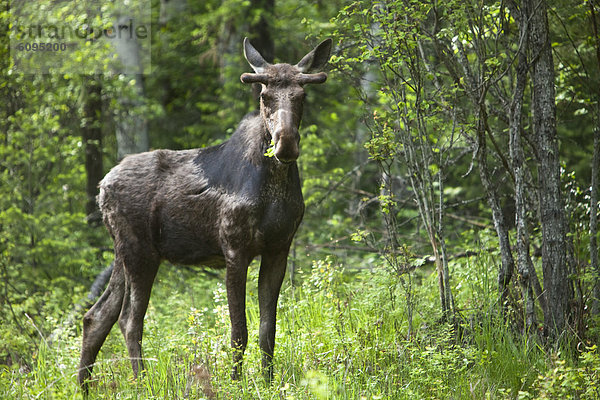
x: 340, y: 335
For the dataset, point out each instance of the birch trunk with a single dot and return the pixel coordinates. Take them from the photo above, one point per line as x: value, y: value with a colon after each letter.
x: 132, y: 126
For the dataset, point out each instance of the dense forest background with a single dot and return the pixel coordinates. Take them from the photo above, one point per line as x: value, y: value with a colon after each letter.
x: 450, y: 173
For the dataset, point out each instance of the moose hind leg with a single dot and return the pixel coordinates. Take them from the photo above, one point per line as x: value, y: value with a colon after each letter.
x: 140, y: 276
x: 270, y: 277
x: 98, y: 322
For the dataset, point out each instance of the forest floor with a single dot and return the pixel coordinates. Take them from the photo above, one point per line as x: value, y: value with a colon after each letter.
x: 340, y: 335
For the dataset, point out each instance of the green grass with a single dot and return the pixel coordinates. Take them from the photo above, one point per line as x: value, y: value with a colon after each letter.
x: 340, y: 336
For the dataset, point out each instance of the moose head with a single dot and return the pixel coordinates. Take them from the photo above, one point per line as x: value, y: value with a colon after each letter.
x: 282, y: 94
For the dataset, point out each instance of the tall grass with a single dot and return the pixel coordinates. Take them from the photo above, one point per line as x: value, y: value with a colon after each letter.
x: 340, y: 336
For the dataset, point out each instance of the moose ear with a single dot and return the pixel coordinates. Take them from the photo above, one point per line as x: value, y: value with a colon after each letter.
x: 256, y: 61
x: 317, y: 58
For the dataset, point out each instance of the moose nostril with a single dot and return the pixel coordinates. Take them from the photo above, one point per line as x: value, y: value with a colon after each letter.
x: 286, y: 158
x: 286, y: 151
x: 284, y: 161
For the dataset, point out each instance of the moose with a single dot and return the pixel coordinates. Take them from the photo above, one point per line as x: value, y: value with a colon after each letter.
x: 218, y: 206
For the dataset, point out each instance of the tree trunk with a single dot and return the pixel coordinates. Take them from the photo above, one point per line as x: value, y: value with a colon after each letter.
x: 594, y: 217
x: 448, y: 298
x: 594, y: 185
x: 132, y: 127
x: 557, y: 284
x: 507, y: 266
x: 518, y: 164
x: 92, y: 141
x: 92, y: 138
x: 477, y: 90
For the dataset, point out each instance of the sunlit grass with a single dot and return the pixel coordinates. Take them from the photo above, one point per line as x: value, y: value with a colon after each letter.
x: 339, y: 336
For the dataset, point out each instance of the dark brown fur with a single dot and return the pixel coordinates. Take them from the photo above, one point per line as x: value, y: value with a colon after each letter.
x: 219, y: 206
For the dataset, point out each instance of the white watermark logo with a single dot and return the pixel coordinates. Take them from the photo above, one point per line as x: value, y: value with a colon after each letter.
x: 85, y: 37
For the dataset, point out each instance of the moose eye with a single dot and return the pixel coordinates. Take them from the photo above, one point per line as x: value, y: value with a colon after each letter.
x: 266, y: 96
x: 300, y: 95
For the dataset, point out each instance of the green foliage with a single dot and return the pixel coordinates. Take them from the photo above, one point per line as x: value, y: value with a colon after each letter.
x: 571, y: 381
x: 339, y: 336
x: 271, y: 150
x: 359, y: 316
x: 43, y: 232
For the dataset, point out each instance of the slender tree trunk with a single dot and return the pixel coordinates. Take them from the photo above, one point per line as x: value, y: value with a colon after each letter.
x: 423, y: 186
x: 518, y: 164
x: 92, y: 137
x: 507, y: 266
x: 594, y: 217
x: 448, y: 298
x: 477, y: 90
x: 419, y: 154
x: 422, y: 183
x: 132, y: 127
x: 594, y: 185
x: 92, y: 141
x: 557, y: 284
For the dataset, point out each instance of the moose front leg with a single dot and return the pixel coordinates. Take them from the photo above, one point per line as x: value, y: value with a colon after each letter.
x: 236, y: 298
x: 272, y: 271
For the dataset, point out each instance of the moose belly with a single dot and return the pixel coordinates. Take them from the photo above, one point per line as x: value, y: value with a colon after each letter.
x: 234, y: 223
x: 179, y: 244
x: 187, y: 235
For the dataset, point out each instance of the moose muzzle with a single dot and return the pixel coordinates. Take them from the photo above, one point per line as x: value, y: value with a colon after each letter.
x: 286, y: 137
